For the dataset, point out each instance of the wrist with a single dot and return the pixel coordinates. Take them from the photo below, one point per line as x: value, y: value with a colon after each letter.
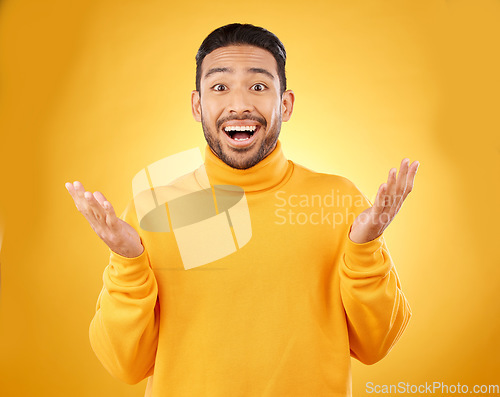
x: 128, y: 252
x: 362, y: 239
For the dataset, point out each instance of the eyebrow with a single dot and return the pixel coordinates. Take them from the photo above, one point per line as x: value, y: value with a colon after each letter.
x: 229, y: 70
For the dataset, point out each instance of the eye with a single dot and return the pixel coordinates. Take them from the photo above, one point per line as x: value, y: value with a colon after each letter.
x: 259, y: 87
x: 219, y: 87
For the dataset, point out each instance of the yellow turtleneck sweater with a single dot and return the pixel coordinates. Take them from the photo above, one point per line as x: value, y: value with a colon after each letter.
x: 281, y: 316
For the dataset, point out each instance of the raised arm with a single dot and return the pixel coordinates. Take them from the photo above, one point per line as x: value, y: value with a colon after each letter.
x: 376, y: 308
x: 124, y: 330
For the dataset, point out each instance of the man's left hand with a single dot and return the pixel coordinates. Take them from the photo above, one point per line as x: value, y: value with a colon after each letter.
x: 372, y: 222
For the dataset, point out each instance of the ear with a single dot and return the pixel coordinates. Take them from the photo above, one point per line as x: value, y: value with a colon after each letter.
x: 287, y: 101
x: 196, y: 105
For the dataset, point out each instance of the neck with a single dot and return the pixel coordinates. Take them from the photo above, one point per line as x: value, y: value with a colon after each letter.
x: 267, y: 154
x: 266, y: 174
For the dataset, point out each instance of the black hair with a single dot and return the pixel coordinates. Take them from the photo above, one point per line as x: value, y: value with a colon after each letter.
x: 240, y: 34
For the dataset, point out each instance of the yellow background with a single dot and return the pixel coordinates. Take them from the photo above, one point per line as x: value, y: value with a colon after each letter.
x: 96, y: 91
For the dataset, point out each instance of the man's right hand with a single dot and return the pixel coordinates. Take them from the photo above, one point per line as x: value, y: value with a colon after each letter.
x: 116, y: 233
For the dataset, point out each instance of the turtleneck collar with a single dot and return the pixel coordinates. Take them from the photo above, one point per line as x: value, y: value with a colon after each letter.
x: 266, y: 174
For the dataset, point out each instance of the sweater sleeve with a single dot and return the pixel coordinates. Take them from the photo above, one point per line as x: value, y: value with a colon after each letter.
x: 376, y: 309
x: 124, y: 330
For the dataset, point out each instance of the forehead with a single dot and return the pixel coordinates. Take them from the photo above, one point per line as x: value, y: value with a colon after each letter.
x: 239, y: 57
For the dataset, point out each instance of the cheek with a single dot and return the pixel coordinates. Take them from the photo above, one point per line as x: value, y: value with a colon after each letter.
x: 269, y: 108
x: 209, y: 111
x: 275, y: 112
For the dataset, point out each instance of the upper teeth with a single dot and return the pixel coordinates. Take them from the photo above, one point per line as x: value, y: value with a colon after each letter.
x: 241, y: 128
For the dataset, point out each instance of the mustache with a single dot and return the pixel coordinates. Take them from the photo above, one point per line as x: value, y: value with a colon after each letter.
x: 258, y: 119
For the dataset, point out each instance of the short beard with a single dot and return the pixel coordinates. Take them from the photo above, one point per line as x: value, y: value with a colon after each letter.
x: 267, y: 146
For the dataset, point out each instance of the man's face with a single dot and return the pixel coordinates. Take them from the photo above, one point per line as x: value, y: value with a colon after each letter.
x: 240, y: 106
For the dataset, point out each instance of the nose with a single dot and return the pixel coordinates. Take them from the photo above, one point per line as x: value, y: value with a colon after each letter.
x: 240, y: 102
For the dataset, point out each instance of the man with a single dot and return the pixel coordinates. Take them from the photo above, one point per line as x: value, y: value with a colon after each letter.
x: 283, y: 314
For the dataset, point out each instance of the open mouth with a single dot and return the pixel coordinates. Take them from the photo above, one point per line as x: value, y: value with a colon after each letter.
x: 241, y: 135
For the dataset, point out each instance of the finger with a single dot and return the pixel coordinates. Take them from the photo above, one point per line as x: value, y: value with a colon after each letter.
x: 79, y: 189
x: 74, y: 190
x: 112, y: 219
x: 71, y: 190
x: 402, y: 179
x: 381, y: 216
x: 100, y: 198
x: 391, y: 190
x: 87, y: 205
x: 95, y: 207
x: 109, y: 211
x: 379, y: 204
x: 412, y: 171
x: 401, y: 186
x: 80, y: 197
